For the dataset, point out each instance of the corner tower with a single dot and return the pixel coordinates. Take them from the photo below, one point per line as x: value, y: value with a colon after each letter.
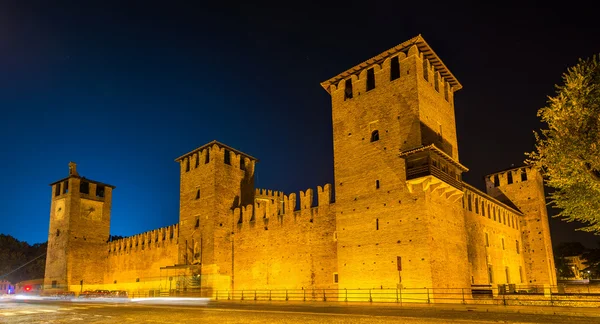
x: 397, y: 174
x: 215, y: 179
x: 79, y: 229
x: 523, y: 188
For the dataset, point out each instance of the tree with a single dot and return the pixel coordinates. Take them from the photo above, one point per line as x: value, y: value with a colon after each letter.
x: 592, y: 262
x: 565, y: 249
x: 14, y: 254
x: 568, y: 151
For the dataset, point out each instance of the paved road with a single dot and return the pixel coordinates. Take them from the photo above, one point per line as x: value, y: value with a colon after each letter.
x: 41, y: 311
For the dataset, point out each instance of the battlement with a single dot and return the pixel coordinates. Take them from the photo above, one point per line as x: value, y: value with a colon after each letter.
x: 270, y: 208
x: 510, y: 176
x: 215, y: 152
x: 413, y: 47
x: 264, y: 193
x: 482, y: 204
x: 150, y: 239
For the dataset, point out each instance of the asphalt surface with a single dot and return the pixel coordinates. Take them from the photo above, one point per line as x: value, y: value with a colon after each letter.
x: 180, y: 311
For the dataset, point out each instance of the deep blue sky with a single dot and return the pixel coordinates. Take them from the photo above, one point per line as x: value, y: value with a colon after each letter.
x: 124, y: 89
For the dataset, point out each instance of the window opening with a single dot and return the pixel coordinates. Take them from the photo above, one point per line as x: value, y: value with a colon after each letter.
x: 502, y: 243
x: 523, y: 175
x: 197, y: 160
x: 509, y: 177
x: 487, y: 240
x: 100, y: 191
x: 242, y: 163
x: 197, y: 222
x: 436, y: 81
x: 207, y: 157
x: 375, y: 136
x: 490, y: 273
x: 425, y: 69
x: 348, y: 90
x: 187, y: 164
x: 57, y: 190
x: 227, y: 157
x: 197, y: 194
x: 496, y: 181
x: 507, y: 275
x: 518, y: 248
x: 377, y: 224
x: 66, y: 186
x: 446, y: 91
x: 84, y: 187
x: 370, y: 79
x: 376, y: 184
x: 335, y: 278
x: 394, y: 68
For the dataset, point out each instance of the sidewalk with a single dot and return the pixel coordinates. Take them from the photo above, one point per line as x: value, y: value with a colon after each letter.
x: 546, y: 310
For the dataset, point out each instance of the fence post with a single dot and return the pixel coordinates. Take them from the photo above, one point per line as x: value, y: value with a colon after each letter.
x: 400, y: 296
x: 463, y: 294
x: 370, y: 296
x: 242, y: 295
x: 269, y: 295
x: 217, y: 295
x: 228, y: 295
x: 428, y: 300
x: 397, y: 300
x: 303, y: 294
x: 346, y: 290
x: 324, y: 297
x: 286, y: 295
x: 255, y: 295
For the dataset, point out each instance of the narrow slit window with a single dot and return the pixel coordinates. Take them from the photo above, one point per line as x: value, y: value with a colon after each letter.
x: 375, y: 136
x: 348, y: 90
x: 242, y: 163
x: 66, y: 186
x: 197, y: 222
x: 509, y: 177
x: 518, y: 247
x: 376, y: 184
x: 502, y: 243
x: 523, y: 175
x: 370, y: 79
x: 207, y: 157
x: 197, y: 194
x: 377, y: 224
x: 394, y: 68
x: 487, y: 240
x: 496, y: 181
x: 227, y: 157
x: 425, y: 69
x: 57, y: 190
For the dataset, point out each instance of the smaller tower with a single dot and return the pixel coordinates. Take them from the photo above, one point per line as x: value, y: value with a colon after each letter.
x: 523, y: 188
x: 78, y: 232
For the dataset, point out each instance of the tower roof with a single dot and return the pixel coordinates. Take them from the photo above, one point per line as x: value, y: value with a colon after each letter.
x: 423, y: 48
x: 218, y: 144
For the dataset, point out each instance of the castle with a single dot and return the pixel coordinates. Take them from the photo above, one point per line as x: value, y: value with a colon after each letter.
x: 402, y: 215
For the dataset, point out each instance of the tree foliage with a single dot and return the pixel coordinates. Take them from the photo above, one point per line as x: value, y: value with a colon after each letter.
x: 568, y: 151
x: 14, y: 253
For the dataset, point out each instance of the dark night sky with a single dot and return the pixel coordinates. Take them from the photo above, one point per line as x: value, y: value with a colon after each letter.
x: 125, y: 89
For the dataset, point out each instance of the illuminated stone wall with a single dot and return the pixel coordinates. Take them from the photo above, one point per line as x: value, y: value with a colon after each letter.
x: 289, y: 249
x: 524, y: 189
x: 495, y: 242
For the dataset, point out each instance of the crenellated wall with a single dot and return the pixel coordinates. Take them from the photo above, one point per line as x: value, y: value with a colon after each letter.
x: 494, y: 240
x: 291, y: 249
x: 141, y: 255
x: 524, y: 188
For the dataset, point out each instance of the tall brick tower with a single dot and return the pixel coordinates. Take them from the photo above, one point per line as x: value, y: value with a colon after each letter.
x: 524, y: 188
x: 79, y: 230
x: 397, y: 174
x: 215, y: 179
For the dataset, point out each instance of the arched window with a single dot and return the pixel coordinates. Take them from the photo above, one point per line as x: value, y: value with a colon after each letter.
x: 375, y: 136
